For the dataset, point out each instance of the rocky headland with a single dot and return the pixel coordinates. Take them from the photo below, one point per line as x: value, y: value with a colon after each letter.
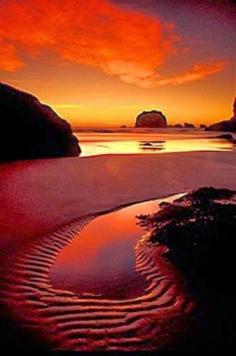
x: 226, y: 125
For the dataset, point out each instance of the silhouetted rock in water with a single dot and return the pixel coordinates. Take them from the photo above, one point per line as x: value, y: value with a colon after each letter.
x: 203, y: 126
x: 123, y: 127
x: 188, y: 126
x: 151, y: 119
x: 226, y: 125
x: 199, y: 233
x: 32, y: 130
x: 178, y: 126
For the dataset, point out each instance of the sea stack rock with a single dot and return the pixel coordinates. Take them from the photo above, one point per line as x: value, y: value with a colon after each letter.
x: 188, y: 126
x: 32, y: 130
x: 226, y: 125
x: 152, y: 118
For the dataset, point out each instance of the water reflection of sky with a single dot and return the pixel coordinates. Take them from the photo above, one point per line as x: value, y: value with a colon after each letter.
x: 101, y: 260
x: 135, y: 144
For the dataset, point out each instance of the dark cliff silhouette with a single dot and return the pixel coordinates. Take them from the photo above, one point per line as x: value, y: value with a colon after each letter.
x: 32, y: 130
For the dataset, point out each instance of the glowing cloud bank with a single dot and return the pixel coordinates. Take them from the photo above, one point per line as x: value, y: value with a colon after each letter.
x: 98, y: 33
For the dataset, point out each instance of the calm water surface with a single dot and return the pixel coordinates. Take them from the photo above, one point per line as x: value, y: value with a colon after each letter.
x: 101, y: 260
x: 95, y: 143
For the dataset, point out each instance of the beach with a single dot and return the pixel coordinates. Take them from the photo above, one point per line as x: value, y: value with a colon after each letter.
x: 37, y: 196
x: 46, y: 205
x: 117, y: 176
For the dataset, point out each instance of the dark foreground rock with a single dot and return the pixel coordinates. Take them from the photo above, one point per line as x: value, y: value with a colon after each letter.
x: 32, y: 130
x: 199, y: 232
x: 153, y: 118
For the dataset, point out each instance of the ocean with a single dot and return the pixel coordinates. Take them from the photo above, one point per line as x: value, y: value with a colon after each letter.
x: 148, y: 141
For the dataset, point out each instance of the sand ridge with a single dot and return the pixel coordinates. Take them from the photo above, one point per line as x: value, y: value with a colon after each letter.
x: 91, y: 323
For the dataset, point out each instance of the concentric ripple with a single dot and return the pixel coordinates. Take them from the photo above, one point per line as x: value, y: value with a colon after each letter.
x: 149, y: 322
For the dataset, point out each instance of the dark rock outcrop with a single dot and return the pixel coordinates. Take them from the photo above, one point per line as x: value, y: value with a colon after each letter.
x: 227, y: 136
x: 178, y: 126
x: 199, y: 233
x: 197, y: 228
x: 188, y: 126
x: 152, y: 118
x: 226, y: 125
x: 32, y: 130
x: 203, y: 126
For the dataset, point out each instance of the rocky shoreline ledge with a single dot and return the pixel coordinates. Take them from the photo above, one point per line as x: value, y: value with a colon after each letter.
x: 198, y: 232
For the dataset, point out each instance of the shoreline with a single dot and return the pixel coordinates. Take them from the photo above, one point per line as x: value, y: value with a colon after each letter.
x: 38, y: 196
x: 46, y: 203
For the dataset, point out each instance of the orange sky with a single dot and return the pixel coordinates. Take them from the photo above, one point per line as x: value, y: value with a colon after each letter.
x: 101, y: 62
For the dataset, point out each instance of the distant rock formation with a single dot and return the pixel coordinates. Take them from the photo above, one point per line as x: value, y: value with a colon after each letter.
x: 178, y: 126
x: 152, y: 118
x: 226, y: 125
x: 203, y: 126
x: 188, y: 126
x: 32, y: 130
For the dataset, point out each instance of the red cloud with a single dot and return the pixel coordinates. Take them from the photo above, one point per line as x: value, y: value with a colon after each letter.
x: 96, y: 33
x: 198, y: 71
x: 8, y: 58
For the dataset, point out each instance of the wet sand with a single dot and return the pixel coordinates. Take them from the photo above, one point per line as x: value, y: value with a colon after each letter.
x: 38, y: 196
x: 44, y: 206
x: 67, y: 321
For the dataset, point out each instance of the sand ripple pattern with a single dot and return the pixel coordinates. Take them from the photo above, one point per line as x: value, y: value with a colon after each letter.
x: 68, y: 322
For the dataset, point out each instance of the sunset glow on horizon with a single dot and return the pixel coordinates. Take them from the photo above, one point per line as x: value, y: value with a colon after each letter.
x: 101, y: 62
